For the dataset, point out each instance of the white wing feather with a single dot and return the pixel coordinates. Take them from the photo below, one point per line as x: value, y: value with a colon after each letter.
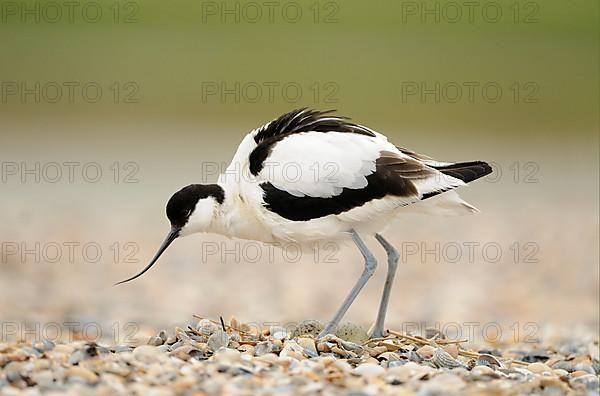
x: 321, y: 164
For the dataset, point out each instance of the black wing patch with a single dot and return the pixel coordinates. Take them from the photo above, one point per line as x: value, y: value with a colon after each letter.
x: 392, y: 176
x: 466, y: 171
x: 305, y: 120
x: 297, y: 121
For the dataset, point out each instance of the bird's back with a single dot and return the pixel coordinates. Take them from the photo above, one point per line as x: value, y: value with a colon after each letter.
x: 311, y: 176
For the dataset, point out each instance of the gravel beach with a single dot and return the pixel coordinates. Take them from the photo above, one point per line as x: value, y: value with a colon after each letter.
x: 217, y: 358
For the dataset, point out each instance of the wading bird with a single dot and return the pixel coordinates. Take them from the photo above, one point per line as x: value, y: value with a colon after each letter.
x: 311, y: 176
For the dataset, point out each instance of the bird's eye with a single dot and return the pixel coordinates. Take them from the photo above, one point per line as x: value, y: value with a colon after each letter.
x: 188, y: 212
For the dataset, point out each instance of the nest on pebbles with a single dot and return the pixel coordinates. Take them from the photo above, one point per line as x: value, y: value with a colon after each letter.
x: 235, y: 358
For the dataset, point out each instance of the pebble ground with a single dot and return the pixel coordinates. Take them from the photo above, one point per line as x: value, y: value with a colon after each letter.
x: 212, y: 358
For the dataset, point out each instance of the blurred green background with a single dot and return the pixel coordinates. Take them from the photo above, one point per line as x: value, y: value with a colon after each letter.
x: 367, y: 49
x: 158, y: 65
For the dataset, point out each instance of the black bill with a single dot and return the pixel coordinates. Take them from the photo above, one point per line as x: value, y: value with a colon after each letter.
x: 170, y: 238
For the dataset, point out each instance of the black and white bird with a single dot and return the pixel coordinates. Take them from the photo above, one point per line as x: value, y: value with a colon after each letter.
x: 311, y: 176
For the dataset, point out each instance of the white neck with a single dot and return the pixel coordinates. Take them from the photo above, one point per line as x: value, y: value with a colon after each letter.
x: 235, y: 218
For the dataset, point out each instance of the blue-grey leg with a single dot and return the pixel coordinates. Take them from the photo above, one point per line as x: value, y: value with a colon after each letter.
x: 393, y: 257
x: 368, y: 271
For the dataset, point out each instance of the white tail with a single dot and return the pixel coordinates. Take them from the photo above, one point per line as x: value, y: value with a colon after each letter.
x: 448, y: 203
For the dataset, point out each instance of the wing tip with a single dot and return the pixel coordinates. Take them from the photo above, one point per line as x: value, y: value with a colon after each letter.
x: 466, y: 171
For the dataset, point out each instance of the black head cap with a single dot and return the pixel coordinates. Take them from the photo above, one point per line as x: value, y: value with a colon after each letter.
x: 182, y: 203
